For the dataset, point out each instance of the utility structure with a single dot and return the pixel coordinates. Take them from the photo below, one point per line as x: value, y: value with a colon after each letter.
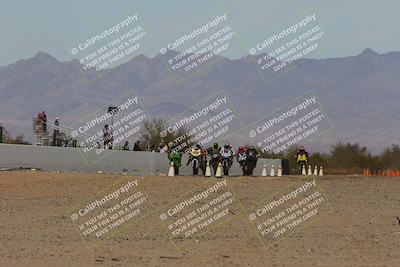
x: 52, y: 135
x: 40, y: 134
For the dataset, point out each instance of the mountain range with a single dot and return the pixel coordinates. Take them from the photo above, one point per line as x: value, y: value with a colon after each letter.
x: 360, y: 93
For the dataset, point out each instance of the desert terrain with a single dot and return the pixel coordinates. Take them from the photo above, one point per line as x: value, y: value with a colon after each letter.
x: 361, y: 228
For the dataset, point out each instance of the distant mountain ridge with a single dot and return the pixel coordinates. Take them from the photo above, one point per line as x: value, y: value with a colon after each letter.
x: 359, y: 93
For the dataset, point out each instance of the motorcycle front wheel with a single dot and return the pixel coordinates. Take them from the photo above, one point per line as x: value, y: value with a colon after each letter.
x: 195, y: 168
x: 226, y: 169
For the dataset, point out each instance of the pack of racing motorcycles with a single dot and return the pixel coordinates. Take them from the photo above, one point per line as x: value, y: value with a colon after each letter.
x: 214, y: 155
x: 247, y: 157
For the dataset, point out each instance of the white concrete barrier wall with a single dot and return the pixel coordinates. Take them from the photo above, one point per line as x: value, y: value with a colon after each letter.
x: 70, y: 159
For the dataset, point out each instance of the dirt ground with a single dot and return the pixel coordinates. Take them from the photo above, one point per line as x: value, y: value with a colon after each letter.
x: 36, y: 230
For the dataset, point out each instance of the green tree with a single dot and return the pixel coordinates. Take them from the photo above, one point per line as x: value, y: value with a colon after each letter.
x: 268, y: 155
x: 319, y: 159
x: 349, y: 156
x: 390, y: 158
x: 8, y: 139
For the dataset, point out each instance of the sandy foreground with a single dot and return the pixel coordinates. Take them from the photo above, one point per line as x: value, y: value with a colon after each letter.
x: 360, y: 227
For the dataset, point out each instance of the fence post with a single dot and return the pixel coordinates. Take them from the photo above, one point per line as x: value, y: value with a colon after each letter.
x: 1, y: 134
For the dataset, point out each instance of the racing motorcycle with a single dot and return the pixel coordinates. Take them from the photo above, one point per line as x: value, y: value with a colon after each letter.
x: 226, y: 160
x: 241, y: 159
x: 301, y: 165
x: 214, y: 159
x: 175, y: 157
x: 195, y: 158
x: 251, y: 161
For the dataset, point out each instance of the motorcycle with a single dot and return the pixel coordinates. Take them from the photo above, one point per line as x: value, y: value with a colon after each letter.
x: 175, y: 157
x: 195, y: 158
x: 241, y: 158
x: 203, y: 161
x: 226, y: 159
x: 214, y: 160
x: 301, y: 165
x: 251, y: 162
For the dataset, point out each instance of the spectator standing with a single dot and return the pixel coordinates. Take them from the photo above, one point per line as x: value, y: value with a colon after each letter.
x: 107, y: 137
x: 56, y: 132
x: 44, y: 121
x: 126, y: 146
x: 136, y: 147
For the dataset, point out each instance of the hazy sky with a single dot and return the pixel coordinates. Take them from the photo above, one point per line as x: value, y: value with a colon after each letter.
x: 50, y: 25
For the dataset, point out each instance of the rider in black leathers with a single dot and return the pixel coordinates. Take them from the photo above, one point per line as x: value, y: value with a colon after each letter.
x: 213, y: 153
x: 251, y: 160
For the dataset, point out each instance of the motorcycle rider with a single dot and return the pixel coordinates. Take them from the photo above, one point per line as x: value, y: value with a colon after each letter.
x: 227, y: 153
x: 213, y: 153
x: 175, y: 156
x: 302, y: 158
x: 195, y: 153
x: 251, y: 160
x: 241, y: 158
x: 203, y: 160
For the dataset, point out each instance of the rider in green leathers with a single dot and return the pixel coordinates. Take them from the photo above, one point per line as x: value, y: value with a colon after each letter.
x: 175, y: 156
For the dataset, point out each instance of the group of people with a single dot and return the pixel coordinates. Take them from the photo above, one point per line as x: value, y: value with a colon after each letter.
x: 108, y: 141
x: 246, y: 157
x: 42, y: 129
x: 215, y: 155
